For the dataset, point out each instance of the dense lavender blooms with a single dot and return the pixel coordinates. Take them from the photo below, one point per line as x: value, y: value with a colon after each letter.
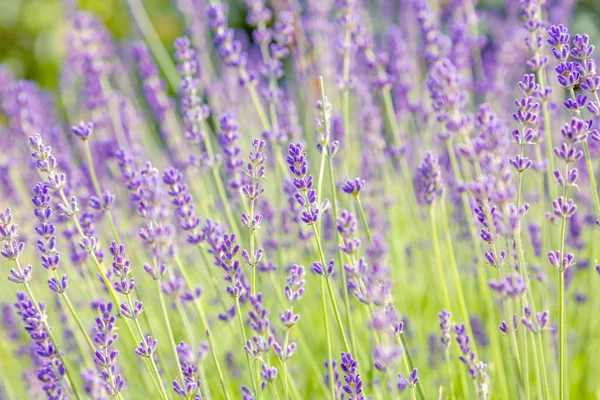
x: 353, y: 385
x: 305, y: 195
x: 51, y: 369
x: 106, y: 356
x: 452, y: 168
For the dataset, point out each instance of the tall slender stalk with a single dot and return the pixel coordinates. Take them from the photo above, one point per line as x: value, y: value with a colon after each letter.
x: 330, y: 289
x: 438, y: 257
x: 167, y: 323
x: 339, y: 256
x: 214, y: 356
x: 328, y: 335
x: 561, y: 303
x: 145, y: 26
x: 457, y: 281
x: 47, y: 328
x: 96, y: 184
x: 255, y: 384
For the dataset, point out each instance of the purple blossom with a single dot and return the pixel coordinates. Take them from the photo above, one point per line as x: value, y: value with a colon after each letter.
x: 429, y: 179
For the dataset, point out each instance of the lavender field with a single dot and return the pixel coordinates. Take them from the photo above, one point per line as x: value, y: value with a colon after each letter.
x: 303, y: 199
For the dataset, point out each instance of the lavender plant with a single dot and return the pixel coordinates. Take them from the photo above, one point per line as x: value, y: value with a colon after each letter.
x: 172, y: 225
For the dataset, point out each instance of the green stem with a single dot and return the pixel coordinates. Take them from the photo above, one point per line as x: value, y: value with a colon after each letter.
x: 402, y: 342
x: 363, y: 218
x: 337, y: 314
x: 561, y: 300
x: 156, y: 379
x: 222, y: 194
x: 167, y: 322
x: 253, y: 280
x: 327, y: 333
x: 243, y: 333
x: 340, y: 261
x: 96, y: 184
x: 540, y: 345
x: 258, y: 105
x: 590, y: 169
x: 457, y: 281
x: 258, y: 383
x: 536, y: 362
x: 151, y: 37
x: 215, y: 359
x: 438, y: 257
x: 449, y: 367
x: 526, y: 368
x: 285, y: 371
x: 321, y: 174
x: 304, y: 346
x: 330, y: 288
x: 78, y: 321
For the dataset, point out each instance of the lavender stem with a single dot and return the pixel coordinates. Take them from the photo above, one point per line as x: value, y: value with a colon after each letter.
x: 255, y: 383
x: 143, y: 22
x: 339, y: 254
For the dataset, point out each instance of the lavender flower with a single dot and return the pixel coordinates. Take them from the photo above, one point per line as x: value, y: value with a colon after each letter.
x: 477, y: 370
x: 305, y: 195
x: 445, y: 328
x: 194, y: 112
x: 353, y: 383
x: 51, y: 370
x: 410, y: 382
x: 106, y: 357
x: 189, y: 365
x: 353, y: 186
x: 228, y: 139
x: 429, y: 179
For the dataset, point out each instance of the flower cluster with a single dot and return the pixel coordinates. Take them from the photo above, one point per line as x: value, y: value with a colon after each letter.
x: 106, y: 356
x: 305, y: 195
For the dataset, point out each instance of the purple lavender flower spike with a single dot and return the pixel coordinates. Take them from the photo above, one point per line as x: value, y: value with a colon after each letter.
x: 228, y: 139
x: 477, y: 370
x: 51, y: 370
x: 353, y: 385
x: 305, y: 195
x: 445, y: 328
x: 429, y: 179
x: 106, y: 356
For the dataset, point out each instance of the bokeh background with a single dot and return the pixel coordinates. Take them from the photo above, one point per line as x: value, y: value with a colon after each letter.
x: 31, y: 31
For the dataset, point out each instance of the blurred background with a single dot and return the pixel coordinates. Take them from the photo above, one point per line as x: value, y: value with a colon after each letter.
x: 32, y: 31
